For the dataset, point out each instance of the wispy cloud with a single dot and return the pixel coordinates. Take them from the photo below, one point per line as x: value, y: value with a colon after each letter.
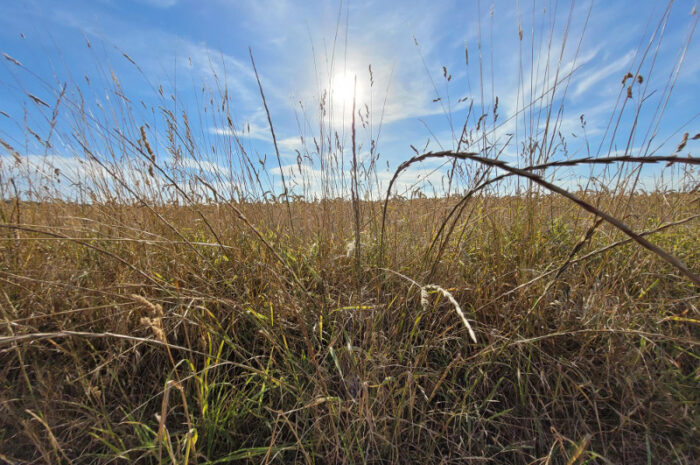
x: 199, y: 62
x: 161, y: 3
x: 590, y: 79
x: 304, y: 179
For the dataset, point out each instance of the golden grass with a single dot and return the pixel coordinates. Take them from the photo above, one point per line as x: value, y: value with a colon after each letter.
x: 183, y: 308
x: 102, y: 320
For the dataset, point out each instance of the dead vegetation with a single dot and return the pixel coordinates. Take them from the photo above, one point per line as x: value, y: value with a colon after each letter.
x: 165, y: 299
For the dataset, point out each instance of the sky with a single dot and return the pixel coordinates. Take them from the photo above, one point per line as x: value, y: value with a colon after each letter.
x: 416, y: 71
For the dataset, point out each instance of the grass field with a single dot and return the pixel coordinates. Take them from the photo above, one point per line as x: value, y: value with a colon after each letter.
x: 124, y: 340
x: 166, y: 299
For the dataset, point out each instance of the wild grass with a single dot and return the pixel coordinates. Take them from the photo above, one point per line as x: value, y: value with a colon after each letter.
x: 170, y: 302
x: 278, y: 358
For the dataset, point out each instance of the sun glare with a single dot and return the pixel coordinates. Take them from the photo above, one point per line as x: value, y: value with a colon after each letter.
x: 343, y: 89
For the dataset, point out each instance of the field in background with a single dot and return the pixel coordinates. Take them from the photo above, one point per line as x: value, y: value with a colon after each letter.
x: 168, y: 295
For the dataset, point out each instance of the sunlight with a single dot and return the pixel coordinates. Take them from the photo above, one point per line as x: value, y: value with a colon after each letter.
x: 361, y: 231
x: 343, y: 91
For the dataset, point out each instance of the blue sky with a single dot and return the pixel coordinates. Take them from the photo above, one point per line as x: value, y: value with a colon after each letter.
x: 303, y: 48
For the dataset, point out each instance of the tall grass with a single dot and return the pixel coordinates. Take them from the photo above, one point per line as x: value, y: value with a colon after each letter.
x: 169, y: 297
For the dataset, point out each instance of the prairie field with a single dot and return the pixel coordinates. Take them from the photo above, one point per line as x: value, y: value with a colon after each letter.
x: 123, y: 323
x: 523, y: 292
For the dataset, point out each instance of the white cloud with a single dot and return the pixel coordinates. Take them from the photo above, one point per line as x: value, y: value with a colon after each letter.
x: 69, y: 177
x: 254, y: 126
x: 202, y: 165
x: 151, y: 49
x: 248, y: 131
x: 311, y: 181
x: 161, y: 3
x: 593, y: 78
x: 52, y: 166
x: 290, y: 144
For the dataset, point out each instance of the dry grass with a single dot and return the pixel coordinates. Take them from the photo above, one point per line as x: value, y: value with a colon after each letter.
x: 157, y: 310
x: 604, y: 358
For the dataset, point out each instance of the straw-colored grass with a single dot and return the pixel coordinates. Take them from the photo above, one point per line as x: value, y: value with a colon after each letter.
x: 604, y: 358
x: 171, y: 301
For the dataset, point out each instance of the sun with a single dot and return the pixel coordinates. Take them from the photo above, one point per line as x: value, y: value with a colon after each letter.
x: 343, y: 90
